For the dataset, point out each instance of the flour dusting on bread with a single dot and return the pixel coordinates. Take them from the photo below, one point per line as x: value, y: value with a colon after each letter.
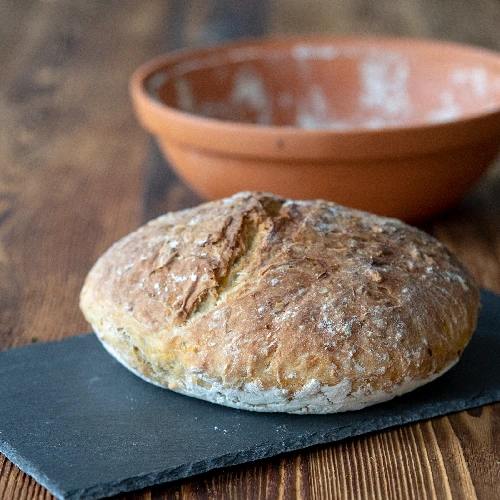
x: 264, y: 303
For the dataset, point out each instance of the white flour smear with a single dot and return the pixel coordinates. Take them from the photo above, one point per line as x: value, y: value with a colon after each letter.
x: 381, y: 81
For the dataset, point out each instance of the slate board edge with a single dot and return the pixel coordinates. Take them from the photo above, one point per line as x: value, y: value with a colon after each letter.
x: 308, y: 441
x: 26, y: 467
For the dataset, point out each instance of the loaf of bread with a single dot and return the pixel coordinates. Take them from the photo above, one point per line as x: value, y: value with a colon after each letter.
x: 269, y: 304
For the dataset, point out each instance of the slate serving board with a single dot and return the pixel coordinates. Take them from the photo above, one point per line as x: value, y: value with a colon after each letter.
x: 84, y: 427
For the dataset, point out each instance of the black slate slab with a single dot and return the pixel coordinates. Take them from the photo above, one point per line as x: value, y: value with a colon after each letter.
x: 84, y: 427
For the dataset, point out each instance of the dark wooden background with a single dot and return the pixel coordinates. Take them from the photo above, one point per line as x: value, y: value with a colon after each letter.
x: 77, y: 173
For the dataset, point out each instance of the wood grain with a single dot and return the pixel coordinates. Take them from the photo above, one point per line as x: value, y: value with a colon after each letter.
x: 77, y: 173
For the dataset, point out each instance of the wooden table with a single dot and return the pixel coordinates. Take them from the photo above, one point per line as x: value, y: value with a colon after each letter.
x: 77, y: 173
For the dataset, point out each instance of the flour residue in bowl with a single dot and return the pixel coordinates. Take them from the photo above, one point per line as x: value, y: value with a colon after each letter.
x: 249, y: 91
x: 313, y: 111
x: 450, y: 110
x: 476, y: 78
x: 185, y: 99
x: 384, y: 78
x: 248, y: 100
x: 383, y: 98
x: 333, y: 87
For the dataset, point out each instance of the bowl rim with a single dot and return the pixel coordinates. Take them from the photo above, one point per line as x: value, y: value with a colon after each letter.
x: 191, y: 129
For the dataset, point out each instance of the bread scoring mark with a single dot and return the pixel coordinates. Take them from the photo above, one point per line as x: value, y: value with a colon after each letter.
x: 226, y: 277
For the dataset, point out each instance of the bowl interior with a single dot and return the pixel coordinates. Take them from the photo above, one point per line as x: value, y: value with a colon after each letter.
x: 334, y: 85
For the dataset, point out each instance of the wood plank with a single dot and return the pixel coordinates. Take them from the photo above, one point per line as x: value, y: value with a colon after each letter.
x: 14, y: 15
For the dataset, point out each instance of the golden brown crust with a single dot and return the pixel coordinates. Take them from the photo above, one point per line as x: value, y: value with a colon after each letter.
x: 263, y: 290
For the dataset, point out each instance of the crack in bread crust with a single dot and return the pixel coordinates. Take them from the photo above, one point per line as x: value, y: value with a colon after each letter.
x: 228, y: 277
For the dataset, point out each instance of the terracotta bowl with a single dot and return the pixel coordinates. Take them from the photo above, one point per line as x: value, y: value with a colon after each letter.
x: 398, y: 127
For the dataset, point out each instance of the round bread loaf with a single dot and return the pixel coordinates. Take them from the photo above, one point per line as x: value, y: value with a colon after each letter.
x: 269, y: 304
